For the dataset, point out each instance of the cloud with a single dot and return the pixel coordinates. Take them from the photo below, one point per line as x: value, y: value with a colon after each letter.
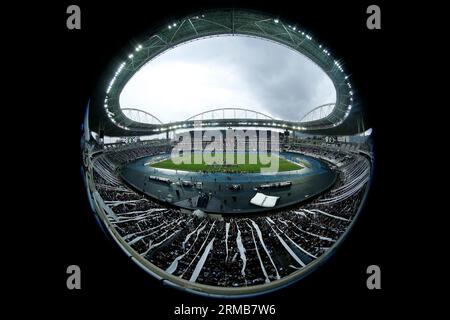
x: 228, y: 71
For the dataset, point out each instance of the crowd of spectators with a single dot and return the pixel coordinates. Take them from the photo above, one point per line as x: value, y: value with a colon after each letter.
x: 231, y: 251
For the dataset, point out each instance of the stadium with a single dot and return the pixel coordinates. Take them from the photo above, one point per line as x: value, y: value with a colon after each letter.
x: 227, y: 201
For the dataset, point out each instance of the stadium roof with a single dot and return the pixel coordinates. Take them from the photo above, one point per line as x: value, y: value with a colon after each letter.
x: 341, y: 120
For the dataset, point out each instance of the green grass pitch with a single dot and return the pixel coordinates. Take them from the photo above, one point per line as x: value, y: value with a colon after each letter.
x: 247, y: 167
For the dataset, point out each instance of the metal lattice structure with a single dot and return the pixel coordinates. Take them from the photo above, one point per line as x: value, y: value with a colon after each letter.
x: 229, y: 22
x: 318, y: 113
x: 230, y: 113
x: 140, y: 116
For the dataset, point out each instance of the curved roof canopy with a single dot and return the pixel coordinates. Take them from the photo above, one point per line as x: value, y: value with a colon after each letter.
x: 226, y: 22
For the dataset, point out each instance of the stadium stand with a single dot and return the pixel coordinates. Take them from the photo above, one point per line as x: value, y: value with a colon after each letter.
x: 231, y: 251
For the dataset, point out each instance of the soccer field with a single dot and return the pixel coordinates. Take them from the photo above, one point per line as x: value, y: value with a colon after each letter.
x: 246, y: 167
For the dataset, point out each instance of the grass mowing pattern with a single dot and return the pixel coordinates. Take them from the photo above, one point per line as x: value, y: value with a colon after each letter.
x: 247, y: 167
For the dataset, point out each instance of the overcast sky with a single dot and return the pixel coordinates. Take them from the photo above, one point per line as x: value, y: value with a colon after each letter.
x: 228, y: 71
